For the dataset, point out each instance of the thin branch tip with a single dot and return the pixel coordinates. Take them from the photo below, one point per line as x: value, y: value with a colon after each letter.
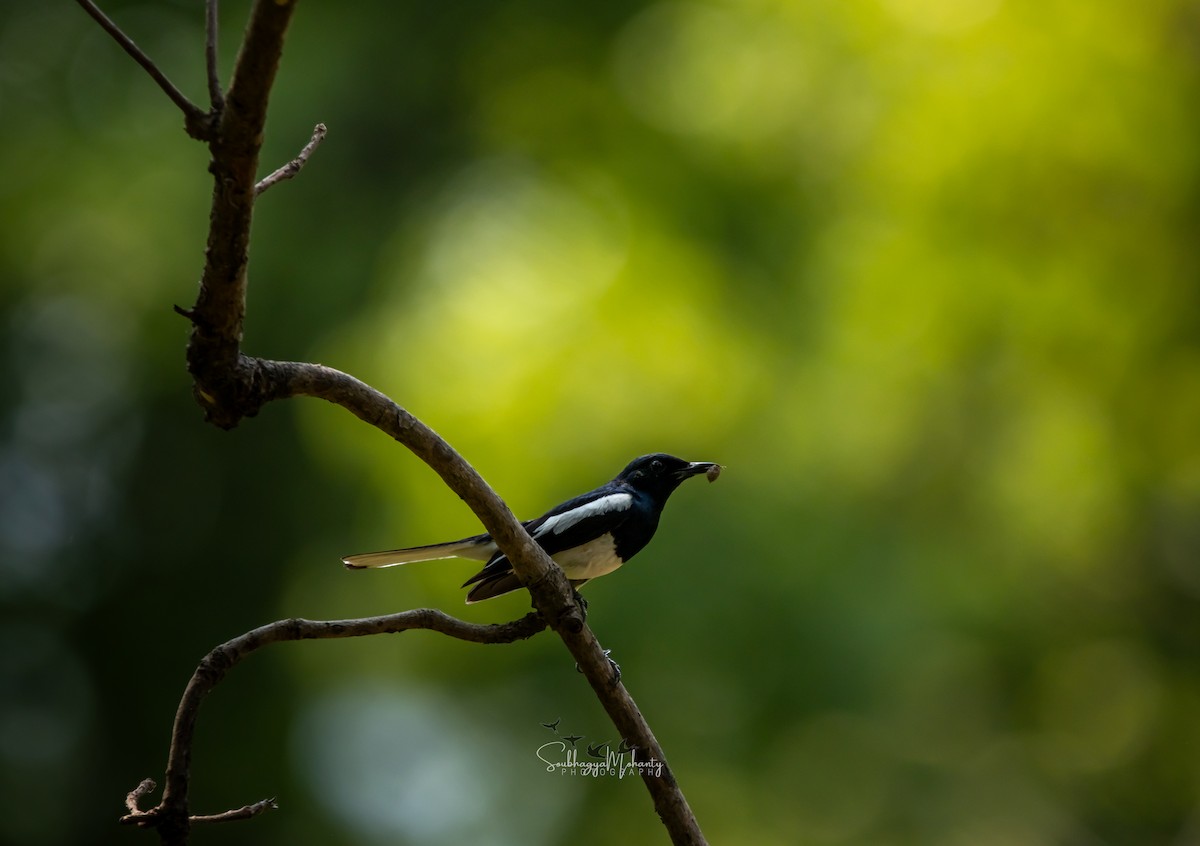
x: 243, y: 813
x: 196, y: 121
x: 293, y: 167
x: 134, y: 797
x: 215, y: 95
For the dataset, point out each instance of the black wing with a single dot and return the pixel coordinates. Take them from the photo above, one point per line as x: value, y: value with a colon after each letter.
x: 571, y: 524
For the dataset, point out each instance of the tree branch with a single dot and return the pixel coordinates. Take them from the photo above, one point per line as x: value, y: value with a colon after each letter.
x: 243, y: 813
x: 156, y: 818
x: 219, y: 313
x: 289, y: 170
x: 230, y: 385
x: 215, y: 96
x: 171, y: 816
x: 134, y: 798
x: 545, y: 581
x: 195, y: 120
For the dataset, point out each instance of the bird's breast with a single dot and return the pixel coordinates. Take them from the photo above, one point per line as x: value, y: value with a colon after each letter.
x: 590, y: 560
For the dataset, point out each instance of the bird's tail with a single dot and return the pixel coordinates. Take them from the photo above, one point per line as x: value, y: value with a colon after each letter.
x: 479, y: 548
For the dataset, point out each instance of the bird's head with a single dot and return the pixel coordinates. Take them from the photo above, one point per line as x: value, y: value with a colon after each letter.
x: 660, y: 474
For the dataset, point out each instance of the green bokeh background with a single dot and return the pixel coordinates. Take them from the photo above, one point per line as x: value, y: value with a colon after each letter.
x: 921, y: 273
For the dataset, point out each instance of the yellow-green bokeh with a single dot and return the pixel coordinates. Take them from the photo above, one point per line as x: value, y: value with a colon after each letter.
x: 920, y: 273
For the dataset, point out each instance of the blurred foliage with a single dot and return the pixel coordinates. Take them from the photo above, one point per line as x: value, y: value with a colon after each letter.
x: 921, y: 273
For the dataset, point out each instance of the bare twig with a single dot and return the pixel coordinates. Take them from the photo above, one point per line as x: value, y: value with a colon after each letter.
x: 136, y: 795
x: 293, y: 167
x: 243, y: 813
x: 195, y: 119
x: 144, y: 819
x: 171, y: 816
x: 215, y: 96
x: 154, y: 817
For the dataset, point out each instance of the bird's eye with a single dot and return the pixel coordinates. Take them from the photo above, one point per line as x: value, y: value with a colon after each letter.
x: 656, y: 465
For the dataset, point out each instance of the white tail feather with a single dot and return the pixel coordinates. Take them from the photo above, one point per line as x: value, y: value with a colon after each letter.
x: 469, y: 548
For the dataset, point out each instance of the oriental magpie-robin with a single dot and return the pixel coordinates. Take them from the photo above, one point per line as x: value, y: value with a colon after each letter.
x: 588, y: 536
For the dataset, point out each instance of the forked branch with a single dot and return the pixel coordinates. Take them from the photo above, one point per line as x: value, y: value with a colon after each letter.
x: 195, y: 120
x: 230, y: 386
x: 171, y: 815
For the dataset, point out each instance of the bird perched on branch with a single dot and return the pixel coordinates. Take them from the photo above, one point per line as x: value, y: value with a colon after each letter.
x: 588, y: 536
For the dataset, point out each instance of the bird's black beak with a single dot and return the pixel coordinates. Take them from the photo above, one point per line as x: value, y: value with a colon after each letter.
x: 696, y: 468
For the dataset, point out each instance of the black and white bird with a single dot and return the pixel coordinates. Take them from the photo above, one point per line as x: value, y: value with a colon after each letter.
x: 588, y: 536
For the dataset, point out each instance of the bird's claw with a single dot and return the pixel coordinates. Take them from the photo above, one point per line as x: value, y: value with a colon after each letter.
x: 613, y: 665
x: 581, y: 603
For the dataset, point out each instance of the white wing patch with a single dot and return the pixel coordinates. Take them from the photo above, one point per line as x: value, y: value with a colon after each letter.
x: 559, y: 523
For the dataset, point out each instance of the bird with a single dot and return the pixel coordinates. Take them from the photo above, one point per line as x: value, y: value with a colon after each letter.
x: 588, y: 536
